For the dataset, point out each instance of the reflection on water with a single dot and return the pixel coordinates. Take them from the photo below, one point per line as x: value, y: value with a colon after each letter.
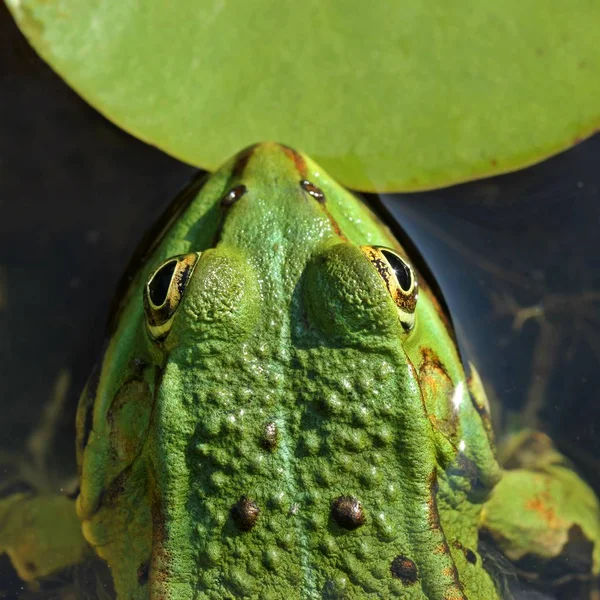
x: 516, y: 257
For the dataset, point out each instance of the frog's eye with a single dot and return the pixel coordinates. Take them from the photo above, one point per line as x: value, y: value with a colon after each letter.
x: 399, y: 279
x: 164, y: 291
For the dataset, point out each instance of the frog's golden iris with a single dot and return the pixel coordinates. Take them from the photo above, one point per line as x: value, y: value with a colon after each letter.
x: 164, y: 291
x: 399, y: 278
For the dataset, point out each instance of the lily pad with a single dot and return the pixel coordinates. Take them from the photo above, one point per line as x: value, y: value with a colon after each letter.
x: 386, y: 96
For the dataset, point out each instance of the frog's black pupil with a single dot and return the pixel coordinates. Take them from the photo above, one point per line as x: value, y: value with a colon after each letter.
x: 159, y: 286
x: 401, y: 269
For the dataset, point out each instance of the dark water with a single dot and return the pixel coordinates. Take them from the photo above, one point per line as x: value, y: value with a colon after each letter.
x: 516, y: 257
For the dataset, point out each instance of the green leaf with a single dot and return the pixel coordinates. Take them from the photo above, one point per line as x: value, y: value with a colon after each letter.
x: 401, y: 95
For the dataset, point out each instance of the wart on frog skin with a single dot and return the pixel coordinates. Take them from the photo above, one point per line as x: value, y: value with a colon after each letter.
x: 245, y: 513
x: 348, y: 512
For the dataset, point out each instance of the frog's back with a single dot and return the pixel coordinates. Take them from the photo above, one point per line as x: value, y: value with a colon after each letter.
x: 283, y: 425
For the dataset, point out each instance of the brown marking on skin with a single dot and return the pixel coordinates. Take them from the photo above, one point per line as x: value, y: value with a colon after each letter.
x: 301, y: 167
x: 433, y: 516
x: 441, y: 549
x: 431, y: 359
x: 113, y: 492
x: 241, y: 161
x: 541, y: 505
x: 404, y: 569
x: 334, y: 224
x: 433, y: 375
x: 160, y: 561
x: 297, y: 159
x: 493, y: 162
x: 454, y: 592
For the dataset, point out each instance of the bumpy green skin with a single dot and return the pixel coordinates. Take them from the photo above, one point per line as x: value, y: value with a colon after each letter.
x: 284, y: 320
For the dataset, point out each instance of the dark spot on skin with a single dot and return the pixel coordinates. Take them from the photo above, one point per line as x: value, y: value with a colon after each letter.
x: 142, y: 572
x: 313, y: 190
x: 233, y: 195
x: 404, y: 569
x: 245, y: 513
x: 470, y: 556
x: 269, y: 437
x: 493, y: 162
x: 348, y: 512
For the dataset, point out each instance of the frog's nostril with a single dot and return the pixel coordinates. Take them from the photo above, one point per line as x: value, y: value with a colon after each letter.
x: 233, y: 195
x: 313, y: 190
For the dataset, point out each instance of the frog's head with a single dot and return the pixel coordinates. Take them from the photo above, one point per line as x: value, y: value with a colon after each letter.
x: 271, y: 439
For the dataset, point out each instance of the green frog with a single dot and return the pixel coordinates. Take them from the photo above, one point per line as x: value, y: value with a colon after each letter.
x: 281, y: 412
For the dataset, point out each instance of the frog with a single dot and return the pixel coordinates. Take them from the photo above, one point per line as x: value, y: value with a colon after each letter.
x: 282, y: 411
